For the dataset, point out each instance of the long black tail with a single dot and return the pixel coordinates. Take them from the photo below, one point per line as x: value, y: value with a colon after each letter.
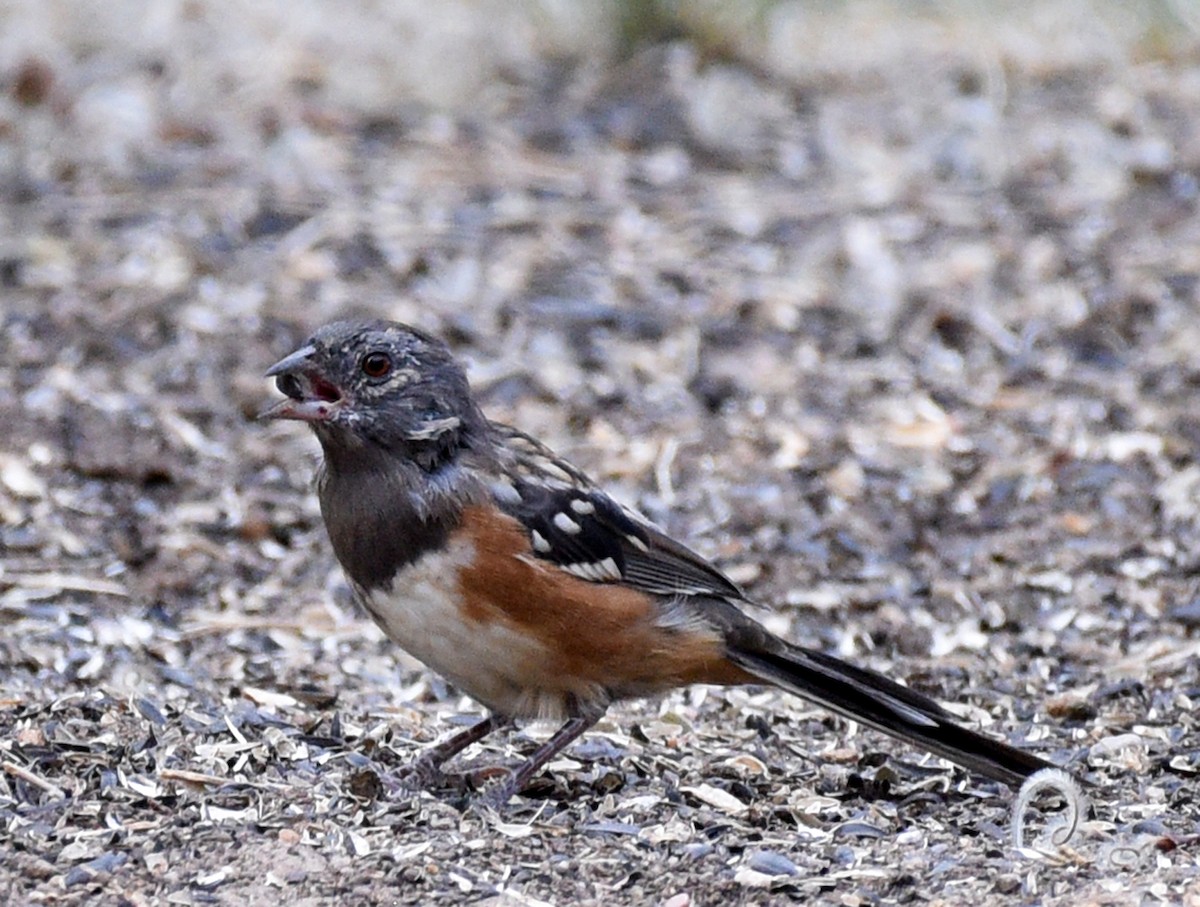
x: 874, y: 700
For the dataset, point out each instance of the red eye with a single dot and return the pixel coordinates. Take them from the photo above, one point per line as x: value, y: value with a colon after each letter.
x: 376, y: 365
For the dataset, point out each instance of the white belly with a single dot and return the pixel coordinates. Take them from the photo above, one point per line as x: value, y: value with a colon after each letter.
x: 487, y: 660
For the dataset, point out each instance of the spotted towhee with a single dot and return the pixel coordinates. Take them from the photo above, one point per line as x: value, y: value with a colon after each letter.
x: 505, y: 569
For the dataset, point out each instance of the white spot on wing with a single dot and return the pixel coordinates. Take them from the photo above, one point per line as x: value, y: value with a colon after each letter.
x: 505, y: 492
x: 597, y: 571
x: 609, y: 568
x: 566, y: 524
x: 582, y: 570
x: 637, y: 543
x: 582, y: 507
x: 540, y: 545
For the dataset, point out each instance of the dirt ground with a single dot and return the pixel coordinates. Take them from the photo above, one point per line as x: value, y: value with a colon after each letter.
x: 894, y: 315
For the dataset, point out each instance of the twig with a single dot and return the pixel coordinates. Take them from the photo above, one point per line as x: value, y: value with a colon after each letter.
x: 26, y: 775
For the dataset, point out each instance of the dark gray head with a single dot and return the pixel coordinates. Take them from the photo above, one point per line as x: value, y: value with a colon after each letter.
x: 367, y: 387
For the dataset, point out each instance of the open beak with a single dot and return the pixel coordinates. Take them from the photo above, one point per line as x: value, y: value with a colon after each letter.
x: 309, y: 396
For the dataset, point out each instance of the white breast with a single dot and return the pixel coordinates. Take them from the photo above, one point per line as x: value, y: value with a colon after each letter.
x: 488, y: 660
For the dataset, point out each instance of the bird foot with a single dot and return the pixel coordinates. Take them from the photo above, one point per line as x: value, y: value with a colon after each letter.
x: 495, y: 797
x: 423, y: 774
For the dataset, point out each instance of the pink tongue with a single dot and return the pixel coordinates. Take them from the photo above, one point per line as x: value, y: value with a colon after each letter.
x: 324, y: 390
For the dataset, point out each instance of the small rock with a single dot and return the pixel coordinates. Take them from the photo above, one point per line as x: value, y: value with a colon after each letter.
x: 1006, y: 884
x: 1187, y: 614
x: 771, y: 863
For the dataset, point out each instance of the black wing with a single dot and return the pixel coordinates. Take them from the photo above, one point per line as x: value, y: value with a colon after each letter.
x: 574, y: 525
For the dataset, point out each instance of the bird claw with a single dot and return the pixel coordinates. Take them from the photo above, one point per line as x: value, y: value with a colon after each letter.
x: 421, y: 775
x: 495, y: 798
x: 424, y: 774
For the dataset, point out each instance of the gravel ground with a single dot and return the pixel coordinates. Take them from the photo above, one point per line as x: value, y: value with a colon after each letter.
x: 893, y: 316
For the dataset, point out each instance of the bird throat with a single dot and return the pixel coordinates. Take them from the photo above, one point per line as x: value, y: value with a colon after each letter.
x: 384, y: 512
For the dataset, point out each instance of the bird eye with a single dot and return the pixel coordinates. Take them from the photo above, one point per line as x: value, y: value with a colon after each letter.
x: 376, y: 365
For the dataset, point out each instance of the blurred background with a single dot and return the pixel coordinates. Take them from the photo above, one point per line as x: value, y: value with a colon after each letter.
x: 889, y: 307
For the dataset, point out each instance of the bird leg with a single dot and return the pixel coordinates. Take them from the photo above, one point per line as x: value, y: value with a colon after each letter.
x: 426, y: 769
x: 521, y: 775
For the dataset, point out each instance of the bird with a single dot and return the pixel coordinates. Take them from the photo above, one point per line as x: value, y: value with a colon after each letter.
x: 507, y: 570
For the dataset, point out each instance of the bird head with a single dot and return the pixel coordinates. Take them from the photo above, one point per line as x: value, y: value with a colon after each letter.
x: 376, y: 384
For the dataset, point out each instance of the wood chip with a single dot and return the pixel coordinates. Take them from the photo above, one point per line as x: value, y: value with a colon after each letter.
x: 717, y: 798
